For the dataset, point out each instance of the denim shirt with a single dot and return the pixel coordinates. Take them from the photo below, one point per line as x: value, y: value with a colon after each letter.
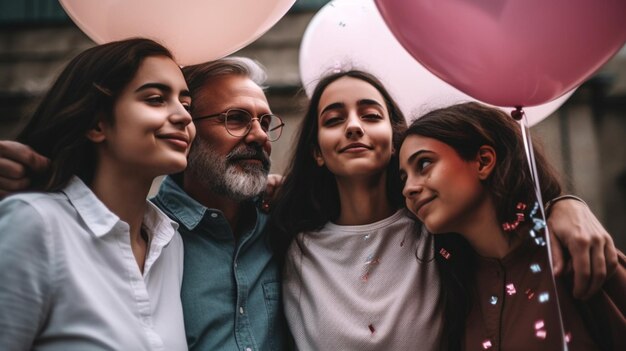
x: 231, y: 292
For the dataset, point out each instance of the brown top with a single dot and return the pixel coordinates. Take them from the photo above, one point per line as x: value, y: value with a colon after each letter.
x: 516, y: 309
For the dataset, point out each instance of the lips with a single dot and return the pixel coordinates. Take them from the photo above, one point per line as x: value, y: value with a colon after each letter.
x: 355, y: 147
x: 179, y: 140
x: 250, y: 155
x: 417, y: 206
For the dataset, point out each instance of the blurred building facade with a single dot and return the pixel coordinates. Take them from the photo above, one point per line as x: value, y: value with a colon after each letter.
x: 586, y: 138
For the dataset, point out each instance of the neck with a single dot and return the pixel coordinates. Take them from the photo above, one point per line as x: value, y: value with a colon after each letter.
x: 125, y: 196
x: 363, y: 200
x: 235, y: 212
x: 484, y: 232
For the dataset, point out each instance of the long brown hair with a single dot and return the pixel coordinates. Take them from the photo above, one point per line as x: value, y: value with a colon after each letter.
x: 309, y: 196
x: 83, y: 94
x: 466, y: 127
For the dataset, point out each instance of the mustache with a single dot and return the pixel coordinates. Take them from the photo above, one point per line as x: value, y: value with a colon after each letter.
x: 250, y: 152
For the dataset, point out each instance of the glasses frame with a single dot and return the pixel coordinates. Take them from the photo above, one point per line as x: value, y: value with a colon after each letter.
x: 249, y: 126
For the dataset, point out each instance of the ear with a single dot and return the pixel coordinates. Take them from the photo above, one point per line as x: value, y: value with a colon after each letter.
x: 317, y: 155
x: 96, y: 134
x: 486, y: 159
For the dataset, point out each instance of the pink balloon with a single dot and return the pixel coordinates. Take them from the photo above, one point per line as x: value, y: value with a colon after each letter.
x: 195, y: 30
x: 509, y: 52
x: 348, y: 34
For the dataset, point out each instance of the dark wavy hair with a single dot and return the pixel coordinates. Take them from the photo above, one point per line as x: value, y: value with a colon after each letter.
x: 82, y: 95
x: 309, y: 196
x: 466, y: 127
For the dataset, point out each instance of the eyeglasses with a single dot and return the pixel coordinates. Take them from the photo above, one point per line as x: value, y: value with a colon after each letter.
x: 239, y: 122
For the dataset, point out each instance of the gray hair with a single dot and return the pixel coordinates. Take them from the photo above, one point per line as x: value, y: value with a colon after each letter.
x: 200, y: 74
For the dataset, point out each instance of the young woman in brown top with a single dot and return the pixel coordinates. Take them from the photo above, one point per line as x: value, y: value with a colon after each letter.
x: 464, y: 170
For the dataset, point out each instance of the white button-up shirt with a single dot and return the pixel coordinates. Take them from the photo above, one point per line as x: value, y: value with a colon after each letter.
x: 69, y: 279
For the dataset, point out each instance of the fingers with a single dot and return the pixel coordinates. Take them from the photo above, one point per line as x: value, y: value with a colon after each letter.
x: 582, y: 269
x: 598, y: 269
x: 557, y: 255
x: 591, y: 247
x: 16, y: 160
x: 274, y: 181
x: 12, y: 177
x: 21, y: 154
x: 611, y: 256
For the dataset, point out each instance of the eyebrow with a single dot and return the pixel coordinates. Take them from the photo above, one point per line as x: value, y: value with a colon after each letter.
x: 368, y: 102
x: 415, y: 154
x: 362, y: 102
x: 333, y: 106
x: 162, y: 87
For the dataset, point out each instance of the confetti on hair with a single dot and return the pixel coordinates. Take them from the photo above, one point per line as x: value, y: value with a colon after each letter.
x: 568, y: 337
x: 493, y: 300
x: 529, y: 293
x: 541, y: 334
x: 539, y: 324
x: 544, y: 297
x: 444, y: 253
x: 535, y: 268
x: 487, y: 344
x: 540, y: 241
x: 510, y: 289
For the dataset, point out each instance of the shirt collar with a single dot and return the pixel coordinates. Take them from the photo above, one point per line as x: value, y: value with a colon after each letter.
x: 181, y: 206
x: 98, y: 218
x: 159, y: 224
x: 184, y: 209
x: 101, y: 221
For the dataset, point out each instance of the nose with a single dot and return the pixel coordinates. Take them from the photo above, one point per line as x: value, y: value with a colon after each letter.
x: 412, y: 189
x: 256, y: 133
x: 354, y: 129
x: 180, y: 116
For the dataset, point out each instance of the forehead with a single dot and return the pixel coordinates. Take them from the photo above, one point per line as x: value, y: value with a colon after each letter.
x: 159, y: 69
x: 230, y: 91
x: 349, y: 91
x: 414, y: 143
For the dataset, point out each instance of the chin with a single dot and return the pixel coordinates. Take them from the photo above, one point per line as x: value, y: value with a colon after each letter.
x: 173, y: 166
x: 434, y: 227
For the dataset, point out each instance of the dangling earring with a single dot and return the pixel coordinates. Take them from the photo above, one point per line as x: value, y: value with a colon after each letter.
x: 511, y: 226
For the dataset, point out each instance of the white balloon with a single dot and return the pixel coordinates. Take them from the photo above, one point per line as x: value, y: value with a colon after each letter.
x: 194, y: 30
x: 347, y: 34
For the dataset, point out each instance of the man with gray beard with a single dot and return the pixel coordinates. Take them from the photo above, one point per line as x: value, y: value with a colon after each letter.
x: 231, y: 283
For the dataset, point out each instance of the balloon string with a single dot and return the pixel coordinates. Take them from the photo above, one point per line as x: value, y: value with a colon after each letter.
x: 520, y: 116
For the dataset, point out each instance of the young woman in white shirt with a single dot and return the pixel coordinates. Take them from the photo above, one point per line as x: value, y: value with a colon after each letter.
x: 87, y: 263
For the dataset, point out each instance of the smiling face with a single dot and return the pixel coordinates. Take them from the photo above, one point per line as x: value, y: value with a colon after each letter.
x: 151, y: 130
x: 355, y: 134
x: 226, y: 164
x: 441, y: 188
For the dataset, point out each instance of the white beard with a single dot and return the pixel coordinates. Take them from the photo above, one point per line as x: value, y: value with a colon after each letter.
x: 225, y: 176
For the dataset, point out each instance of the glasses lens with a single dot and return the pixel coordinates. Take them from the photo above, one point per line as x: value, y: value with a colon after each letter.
x: 272, y: 125
x: 237, y: 122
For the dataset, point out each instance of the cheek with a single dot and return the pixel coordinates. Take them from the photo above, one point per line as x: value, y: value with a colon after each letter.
x: 326, y: 141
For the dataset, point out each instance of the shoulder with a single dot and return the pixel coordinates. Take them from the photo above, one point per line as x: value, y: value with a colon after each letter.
x: 26, y: 210
x: 26, y: 236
